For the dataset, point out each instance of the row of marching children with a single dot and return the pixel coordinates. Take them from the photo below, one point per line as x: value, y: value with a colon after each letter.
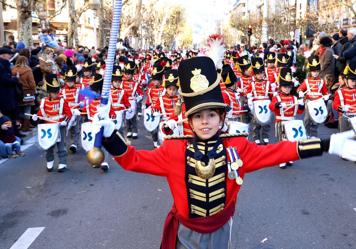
x: 253, y: 89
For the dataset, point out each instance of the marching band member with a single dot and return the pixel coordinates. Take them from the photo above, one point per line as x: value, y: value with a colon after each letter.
x: 70, y: 92
x: 167, y: 102
x: 259, y: 89
x: 285, y: 106
x: 92, y: 107
x: 87, y: 73
x: 205, y: 172
x: 155, y: 90
x: 231, y: 94
x: 135, y: 94
x: 345, y: 98
x: 55, y: 109
x: 119, y: 98
x: 271, y: 71
x: 312, y: 88
x: 244, y: 83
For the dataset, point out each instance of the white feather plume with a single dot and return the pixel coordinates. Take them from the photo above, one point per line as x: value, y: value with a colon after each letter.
x: 216, y: 50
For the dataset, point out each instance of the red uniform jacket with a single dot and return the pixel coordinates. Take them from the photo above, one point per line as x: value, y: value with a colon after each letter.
x: 152, y: 95
x: 54, y: 111
x: 288, y: 113
x: 259, y: 88
x: 314, y: 88
x: 272, y: 74
x: 85, y: 81
x: 129, y: 86
x: 119, y: 99
x: 345, y: 96
x: 92, y: 109
x: 166, y: 105
x: 231, y: 99
x: 169, y: 160
x: 244, y: 84
x: 71, y: 95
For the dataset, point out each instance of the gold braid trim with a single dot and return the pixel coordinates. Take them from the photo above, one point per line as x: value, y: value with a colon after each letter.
x: 208, y: 89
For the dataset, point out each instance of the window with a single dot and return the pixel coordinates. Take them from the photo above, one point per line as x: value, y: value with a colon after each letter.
x: 345, y: 21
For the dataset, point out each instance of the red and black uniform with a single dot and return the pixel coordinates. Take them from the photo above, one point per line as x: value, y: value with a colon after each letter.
x: 203, y: 205
x: 119, y: 99
x: 92, y: 109
x: 85, y: 81
x: 166, y: 106
x: 345, y: 97
x: 231, y: 98
x: 71, y: 95
x: 313, y: 88
x: 153, y: 94
x: 54, y: 111
x: 272, y: 75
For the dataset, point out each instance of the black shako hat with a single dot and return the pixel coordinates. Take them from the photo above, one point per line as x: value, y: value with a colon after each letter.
x: 350, y: 70
x: 171, y: 78
x: 51, y: 83
x: 199, y: 84
x: 285, y: 77
x: 257, y: 65
x: 228, y: 76
x: 313, y: 63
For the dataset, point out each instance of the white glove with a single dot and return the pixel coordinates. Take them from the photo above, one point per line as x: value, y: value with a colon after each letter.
x: 103, y: 111
x: 326, y: 97
x: 301, y: 94
x: 283, y: 105
x: 275, y: 93
x: 343, y: 144
x: 249, y: 95
x: 108, y: 126
x: 296, y: 82
x: 353, y: 123
x: 300, y: 101
x: 138, y: 98
x: 63, y: 123
x: 34, y: 117
x: 346, y: 108
x: 171, y: 124
x: 273, y: 87
x: 76, y: 112
x: 239, y: 90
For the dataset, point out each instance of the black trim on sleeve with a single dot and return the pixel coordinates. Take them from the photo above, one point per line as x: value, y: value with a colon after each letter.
x: 115, y: 144
x: 310, y: 148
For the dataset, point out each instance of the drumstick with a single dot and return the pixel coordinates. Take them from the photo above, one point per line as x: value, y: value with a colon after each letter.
x: 42, y: 118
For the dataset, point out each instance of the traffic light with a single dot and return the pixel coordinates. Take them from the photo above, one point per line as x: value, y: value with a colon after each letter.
x: 249, y: 30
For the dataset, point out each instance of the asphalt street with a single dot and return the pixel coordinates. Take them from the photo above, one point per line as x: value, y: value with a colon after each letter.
x: 311, y: 205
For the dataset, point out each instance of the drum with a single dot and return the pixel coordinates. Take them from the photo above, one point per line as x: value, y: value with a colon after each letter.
x: 48, y: 135
x: 150, y: 121
x: 294, y: 130
x: 353, y: 123
x: 119, y: 119
x: 317, y: 110
x: 261, y: 111
x: 130, y: 113
x: 87, y: 135
x: 236, y: 127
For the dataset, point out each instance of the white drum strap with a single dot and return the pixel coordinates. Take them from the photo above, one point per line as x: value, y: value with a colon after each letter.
x: 279, y: 99
x: 42, y: 108
x: 76, y: 95
x: 308, y: 86
x: 121, y: 95
x: 61, y: 103
x: 267, y: 88
x: 134, y: 90
x: 295, y: 106
x: 161, y: 103
x: 87, y: 107
x: 342, y: 101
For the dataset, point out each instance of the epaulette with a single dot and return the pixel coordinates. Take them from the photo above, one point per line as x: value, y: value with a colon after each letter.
x: 179, y: 137
x: 228, y: 135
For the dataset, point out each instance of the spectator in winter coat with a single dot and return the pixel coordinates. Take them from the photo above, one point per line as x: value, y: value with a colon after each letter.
x: 8, y: 84
x: 327, y: 60
x: 350, y: 53
x: 27, y: 81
